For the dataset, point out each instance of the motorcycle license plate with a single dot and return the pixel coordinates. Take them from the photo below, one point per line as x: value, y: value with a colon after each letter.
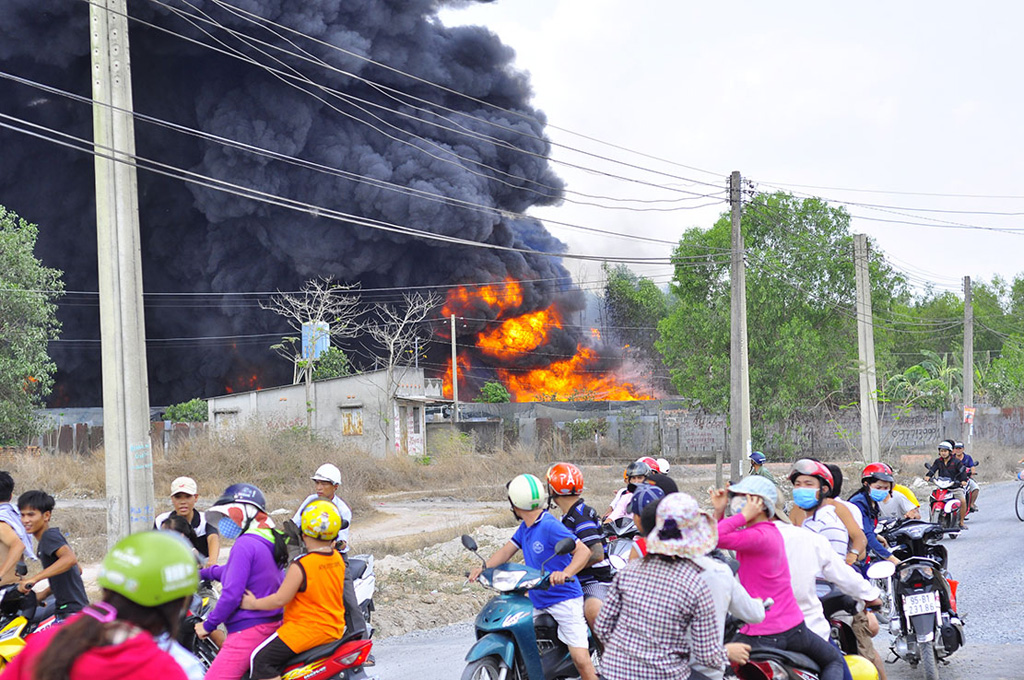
x: 923, y: 603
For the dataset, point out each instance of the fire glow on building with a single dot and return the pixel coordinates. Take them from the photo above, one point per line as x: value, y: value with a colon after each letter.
x: 526, y: 350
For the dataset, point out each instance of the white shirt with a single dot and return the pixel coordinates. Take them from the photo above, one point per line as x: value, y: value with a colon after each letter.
x: 188, y: 662
x: 728, y: 596
x: 858, y: 516
x: 343, y: 510
x: 811, y: 557
x: 825, y: 522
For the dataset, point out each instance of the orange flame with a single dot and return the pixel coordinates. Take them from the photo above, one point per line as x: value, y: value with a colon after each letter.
x: 568, y: 380
x: 446, y: 378
x: 500, y: 296
x: 519, y: 335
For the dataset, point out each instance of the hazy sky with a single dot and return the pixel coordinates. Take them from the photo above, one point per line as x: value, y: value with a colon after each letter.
x: 896, y: 97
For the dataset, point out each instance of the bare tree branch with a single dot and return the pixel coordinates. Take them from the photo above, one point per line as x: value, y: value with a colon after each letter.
x: 397, y: 326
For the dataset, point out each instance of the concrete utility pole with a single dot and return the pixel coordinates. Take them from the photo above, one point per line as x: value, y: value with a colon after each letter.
x: 968, y: 375
x: 866, y: 353
x: 455, y: 378
x: 129, y: 456
x: 739, y: 378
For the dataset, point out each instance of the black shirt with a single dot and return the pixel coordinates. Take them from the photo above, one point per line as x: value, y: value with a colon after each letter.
x: 954, y: 470
x: 68, y: 589
x: 584, y: 522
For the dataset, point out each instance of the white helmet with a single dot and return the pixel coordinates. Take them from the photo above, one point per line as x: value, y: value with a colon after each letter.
x: 663, y: 464
x: 526, y: 492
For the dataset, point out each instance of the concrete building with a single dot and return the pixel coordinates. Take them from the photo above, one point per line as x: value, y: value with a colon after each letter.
x: 354, y: 410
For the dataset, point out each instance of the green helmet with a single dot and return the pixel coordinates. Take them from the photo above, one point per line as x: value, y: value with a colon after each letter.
x: 150, y: 568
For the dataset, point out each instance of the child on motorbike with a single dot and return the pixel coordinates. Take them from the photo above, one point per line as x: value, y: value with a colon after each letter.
x: 659, y: 606
x: 764, y: 572
x: 241, y: 514
x: 643, y: 516
x: 565, y: 484
x: 311, y: 594
x: 147, y: 580
x: 536, y: 536
x: 634, y: 474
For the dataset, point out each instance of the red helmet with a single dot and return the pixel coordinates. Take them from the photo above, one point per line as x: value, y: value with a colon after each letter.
x: 812, y: 468
x: 876, y: 471
x: 651, y: 463
x: 565, y: 479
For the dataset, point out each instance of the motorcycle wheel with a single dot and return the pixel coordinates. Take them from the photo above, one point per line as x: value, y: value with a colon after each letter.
x: 486, y: 668
x: 936, y: 516
x: 929, y: 663
x: 1020, y: 503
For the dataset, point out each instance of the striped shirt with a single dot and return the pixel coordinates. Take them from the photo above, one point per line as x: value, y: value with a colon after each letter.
x: 582, y: 520
x: 658, y: 616
x: 826, y: 522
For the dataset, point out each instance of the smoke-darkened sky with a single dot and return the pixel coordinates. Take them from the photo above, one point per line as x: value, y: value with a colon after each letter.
x: 201, y: 240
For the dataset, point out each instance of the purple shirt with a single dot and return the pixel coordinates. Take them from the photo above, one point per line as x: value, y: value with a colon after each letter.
x: 250, y: 566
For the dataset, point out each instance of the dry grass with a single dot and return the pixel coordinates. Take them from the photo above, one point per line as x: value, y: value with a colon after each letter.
x: 400, y: 545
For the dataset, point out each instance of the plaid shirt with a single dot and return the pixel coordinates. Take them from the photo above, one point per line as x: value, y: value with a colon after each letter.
x: 657, y: 618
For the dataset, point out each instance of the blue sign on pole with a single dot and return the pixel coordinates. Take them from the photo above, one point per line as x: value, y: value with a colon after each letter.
x: 316, y: 339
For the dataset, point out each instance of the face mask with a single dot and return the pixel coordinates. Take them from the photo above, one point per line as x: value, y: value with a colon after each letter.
x: 228, y: 529
x: 805, y: 498
x: 631, y: 487
x: 879, y: 495
x: 737, y: 504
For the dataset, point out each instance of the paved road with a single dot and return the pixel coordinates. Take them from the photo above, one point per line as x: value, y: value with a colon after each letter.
x: 987, y: 559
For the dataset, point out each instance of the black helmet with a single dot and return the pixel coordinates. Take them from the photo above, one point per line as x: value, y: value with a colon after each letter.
x: 638, y: 468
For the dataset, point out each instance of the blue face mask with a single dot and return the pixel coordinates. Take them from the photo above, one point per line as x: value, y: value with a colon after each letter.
x: 805, y: 498
x: 228, y: 529
x: 879, y: 495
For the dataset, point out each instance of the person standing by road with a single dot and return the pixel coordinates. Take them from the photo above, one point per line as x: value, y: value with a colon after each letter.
x: 326, y: 481
x: 203, y: 537
x: 757, y: 467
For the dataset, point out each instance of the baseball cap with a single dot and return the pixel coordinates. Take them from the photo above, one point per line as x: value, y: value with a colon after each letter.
x: 184, y: 485
x: 327, y: 473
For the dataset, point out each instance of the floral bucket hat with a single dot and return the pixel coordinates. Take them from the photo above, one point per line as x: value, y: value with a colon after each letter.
x: 682, y: 529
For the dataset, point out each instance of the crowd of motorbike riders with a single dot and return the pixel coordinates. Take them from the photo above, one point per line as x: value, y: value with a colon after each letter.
x: 663, y: 615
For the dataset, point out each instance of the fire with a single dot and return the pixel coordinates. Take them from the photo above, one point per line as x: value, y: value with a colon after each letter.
x: 499, y: 296
x: 519, y: 335
x: 569, y: 379
x: 244, y: 384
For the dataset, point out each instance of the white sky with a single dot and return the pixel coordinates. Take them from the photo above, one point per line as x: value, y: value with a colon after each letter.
x: 893, y: 96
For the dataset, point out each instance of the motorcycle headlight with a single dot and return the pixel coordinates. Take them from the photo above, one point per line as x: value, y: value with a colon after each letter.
x: 506, y: 580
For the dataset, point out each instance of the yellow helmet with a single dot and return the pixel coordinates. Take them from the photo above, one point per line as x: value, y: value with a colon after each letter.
x: 321, y: 520
x: 861, y: 668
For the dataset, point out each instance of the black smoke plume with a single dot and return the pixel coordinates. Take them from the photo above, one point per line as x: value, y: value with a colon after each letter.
x: 200, y: 240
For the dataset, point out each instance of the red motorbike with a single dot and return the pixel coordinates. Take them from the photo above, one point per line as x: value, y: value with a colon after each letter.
x: 945, y: 508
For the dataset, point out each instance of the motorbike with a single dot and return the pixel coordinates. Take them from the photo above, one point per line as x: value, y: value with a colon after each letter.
x: 18, y: 622
x: 835, y: 604
x: 364, y: 581
x: 619, y: 535
x: 512, y: 643
x: 944, y: 508
x: 923, y: 621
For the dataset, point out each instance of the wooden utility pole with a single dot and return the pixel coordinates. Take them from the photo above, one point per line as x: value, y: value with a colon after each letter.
x: 968, y: 375
x: 129, y: 456
x: 739, y: 378
x: 455, y: 378
x: 869, y: 438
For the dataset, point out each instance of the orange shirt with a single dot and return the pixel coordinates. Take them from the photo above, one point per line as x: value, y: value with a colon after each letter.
x: 316, y: 615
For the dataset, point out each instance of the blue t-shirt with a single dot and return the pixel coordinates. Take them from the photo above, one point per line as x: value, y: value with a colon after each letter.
x: 538, y: 544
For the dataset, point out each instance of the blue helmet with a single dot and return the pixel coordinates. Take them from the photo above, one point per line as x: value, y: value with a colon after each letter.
x: 758, y: 457
x: 243, y: 493
x: 643, y: 496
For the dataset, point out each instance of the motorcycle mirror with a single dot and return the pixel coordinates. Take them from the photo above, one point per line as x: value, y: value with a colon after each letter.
x: 881, y: 570
x: 565, y: 546
x: 20, y: 569
x: 928, y: 467
x: 468, y: 543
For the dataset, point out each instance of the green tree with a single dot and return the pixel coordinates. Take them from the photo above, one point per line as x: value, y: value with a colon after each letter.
x: 1005, y: 376
x: 494, y: 393
x: 801, y: 324
x: 332, y: 364
x: 934, y: 383
x: 192, y: 411
x: 28, y: 319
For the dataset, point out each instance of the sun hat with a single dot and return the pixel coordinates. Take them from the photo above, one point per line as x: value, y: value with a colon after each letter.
x: 756, y: 485
x: 681, y: 528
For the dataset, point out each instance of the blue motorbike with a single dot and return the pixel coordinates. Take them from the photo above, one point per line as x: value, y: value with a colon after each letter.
x: 512, y: 643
